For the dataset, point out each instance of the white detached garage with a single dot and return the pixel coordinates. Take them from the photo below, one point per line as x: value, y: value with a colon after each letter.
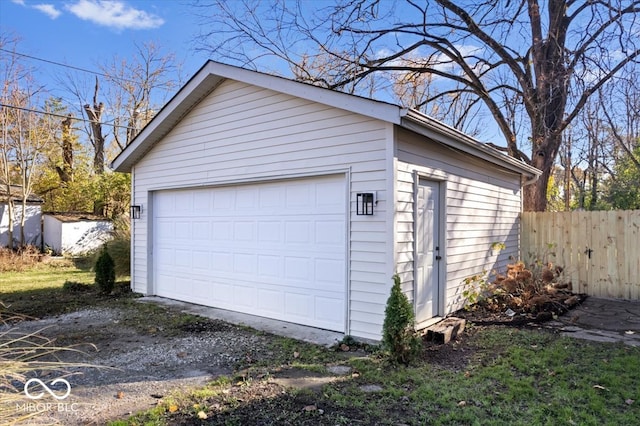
x: 251, y: 190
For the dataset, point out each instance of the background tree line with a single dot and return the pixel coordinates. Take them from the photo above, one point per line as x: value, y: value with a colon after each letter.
x: 58, y: 147
x: 557, y: 78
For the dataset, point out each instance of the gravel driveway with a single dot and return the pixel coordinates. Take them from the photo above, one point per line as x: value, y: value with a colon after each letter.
x: 133, y: 370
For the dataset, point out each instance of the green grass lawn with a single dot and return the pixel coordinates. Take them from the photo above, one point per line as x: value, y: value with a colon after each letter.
x: 38, y: 291
x: 506, y: 377
x: 493, y: 375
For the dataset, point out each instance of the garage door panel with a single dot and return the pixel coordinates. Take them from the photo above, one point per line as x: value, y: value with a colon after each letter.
x: 183, y: 257
x: 269, y: 231
x: 297, y: 196
x: 246, y: 199
x: 222, y: 294
x: 164, y: 256
x: 330, y: 232
x: 201, y: 260
x: 270, y: 200
x: 297, y: 268
x: 164, y: 229
x: 299, y: 306
x: 221, y: 262
x: 201, y: 230
x: 271, y: 301
x: 244, y: 295
x: 222, y: 230
x: 202, y: 203
x: 245, y: 264
x: 330, y: 272
x: 182, y: 230
x: 269, y: 266
x: 223, y: 200
x: 272, y: 249
x: 244, y: 231
x: 325, y: 308
x: 183, y: 203
x: 297, y: 232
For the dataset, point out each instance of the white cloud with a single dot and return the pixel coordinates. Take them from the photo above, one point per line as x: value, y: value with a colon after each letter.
x: 48, y: 9
x: 114, y: 14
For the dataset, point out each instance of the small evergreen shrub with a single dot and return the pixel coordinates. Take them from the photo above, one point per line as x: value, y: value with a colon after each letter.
x: 105, y: 272
x: 119, y: 248
x: 399, y: 338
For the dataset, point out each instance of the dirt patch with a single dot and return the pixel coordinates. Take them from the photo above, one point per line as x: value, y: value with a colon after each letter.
x: 127, y: 370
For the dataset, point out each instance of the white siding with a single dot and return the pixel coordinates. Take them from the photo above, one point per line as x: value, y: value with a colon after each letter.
x: 33, y: 216
x: 482, y: 206
x: 243, y: 133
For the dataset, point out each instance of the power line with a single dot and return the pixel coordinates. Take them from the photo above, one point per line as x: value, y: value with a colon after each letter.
x: 64, y: 116
x: 68, y: 66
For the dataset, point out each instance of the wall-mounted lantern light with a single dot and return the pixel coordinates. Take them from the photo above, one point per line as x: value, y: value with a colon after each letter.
x: 364, y: 203
x: 136, y: 211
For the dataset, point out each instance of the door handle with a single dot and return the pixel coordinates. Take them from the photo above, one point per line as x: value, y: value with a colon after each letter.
x: 438, y: 257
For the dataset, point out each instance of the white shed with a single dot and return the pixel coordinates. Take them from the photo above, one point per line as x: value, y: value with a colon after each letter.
x: 75, y: 233
x: 251, y: 189
x: 32, y: 214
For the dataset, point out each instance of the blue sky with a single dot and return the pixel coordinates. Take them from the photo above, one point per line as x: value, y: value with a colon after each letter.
x: 86, y: 33
x: 83, y: 33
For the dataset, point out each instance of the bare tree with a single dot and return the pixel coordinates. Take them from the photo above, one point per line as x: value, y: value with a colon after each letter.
x: 25, y: 136
x: 621, y: 113
x: 138, y: 88
x: 550, y: 57
x: 458, y: 107
x: 12, y: 99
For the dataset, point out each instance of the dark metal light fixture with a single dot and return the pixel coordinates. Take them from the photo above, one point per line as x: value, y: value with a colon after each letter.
x: 364, y: 203
x: 136, y: 211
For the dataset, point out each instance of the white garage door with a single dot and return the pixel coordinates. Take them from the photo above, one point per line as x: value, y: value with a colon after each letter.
x: 272, y: 249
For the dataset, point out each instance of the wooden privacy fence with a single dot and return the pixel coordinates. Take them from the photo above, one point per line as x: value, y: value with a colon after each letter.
x: 600, y: 250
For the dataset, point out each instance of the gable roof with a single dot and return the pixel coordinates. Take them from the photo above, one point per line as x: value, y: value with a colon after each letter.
x: 77, y: 217
x: 15, y: 191
x: 212, y: 74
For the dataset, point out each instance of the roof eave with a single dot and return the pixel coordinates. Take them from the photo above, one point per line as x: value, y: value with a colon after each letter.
x: 211, y: 75
x: 447, y: 135
x: 198, y: 87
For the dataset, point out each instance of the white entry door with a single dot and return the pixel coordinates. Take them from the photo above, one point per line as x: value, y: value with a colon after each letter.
x: 427, y: 251
x: 274, y: 249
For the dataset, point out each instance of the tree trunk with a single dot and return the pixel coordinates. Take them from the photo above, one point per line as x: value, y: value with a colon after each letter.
x: 66, y: 171
x: 10, y: 225
x: 95, y: 115
x: 535, y: 195
x: 23, y: 219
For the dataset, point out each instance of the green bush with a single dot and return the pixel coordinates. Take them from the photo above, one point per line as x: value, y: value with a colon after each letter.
x: 399, y: 338
x: 105, y: 272
x: 119, y: 248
